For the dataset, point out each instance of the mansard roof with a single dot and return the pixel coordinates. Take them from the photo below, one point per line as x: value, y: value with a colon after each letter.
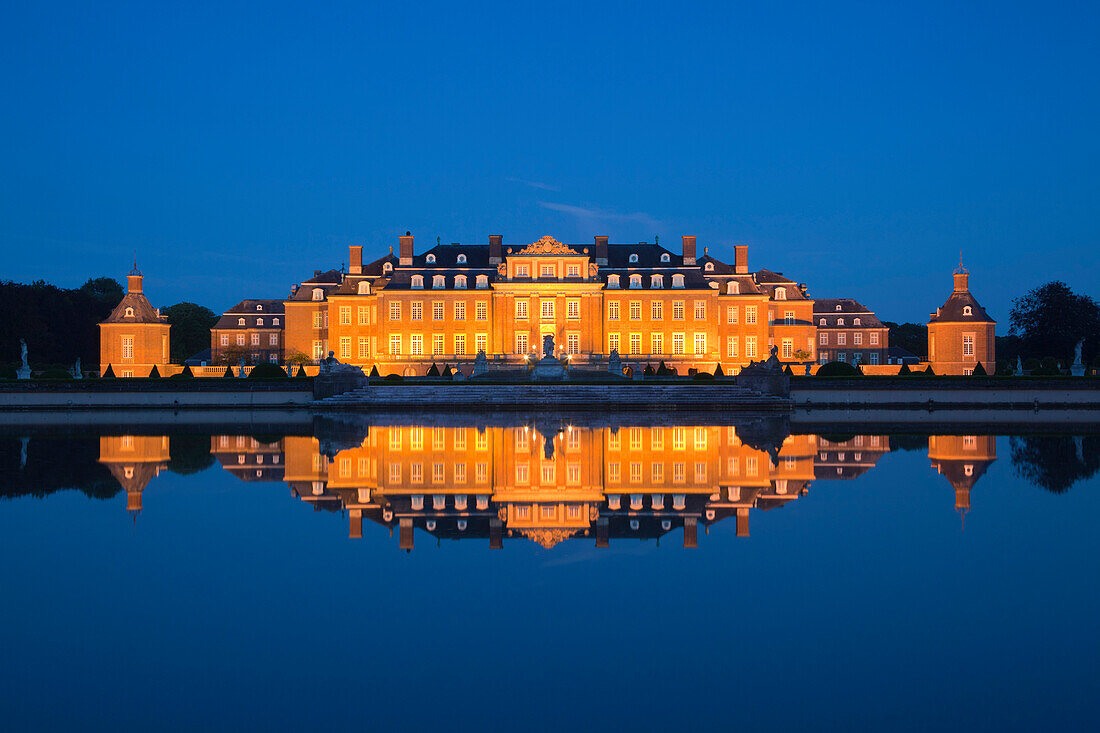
x: 265, y: 306
x: 143, y: 310
x: 253, y: 318
x: 769, y: 281
x: 849, y: 308
x: 954, y: 310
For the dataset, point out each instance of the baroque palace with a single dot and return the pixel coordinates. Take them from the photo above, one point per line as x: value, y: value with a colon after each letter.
x: 404, y: 313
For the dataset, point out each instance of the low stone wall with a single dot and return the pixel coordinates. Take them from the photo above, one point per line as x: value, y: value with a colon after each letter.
x: 124, y: 393
x: 945, y: 392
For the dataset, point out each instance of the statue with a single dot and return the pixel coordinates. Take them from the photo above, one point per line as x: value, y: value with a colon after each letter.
x: 548, y: 346
x: 240, y: 369
x: 24, y: 372
x: 76, y: 371
x: 614, y: 363
x: 1019, y: 367
x: 481, y: 365
x: 1078, y: 368
x: 548, y: 367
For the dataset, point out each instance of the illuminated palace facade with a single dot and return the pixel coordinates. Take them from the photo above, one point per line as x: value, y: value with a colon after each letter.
x: 402, y: 313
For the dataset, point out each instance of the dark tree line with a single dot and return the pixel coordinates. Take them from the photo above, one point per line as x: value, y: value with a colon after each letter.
x: 1051, y: 319
x: 1055, y: 462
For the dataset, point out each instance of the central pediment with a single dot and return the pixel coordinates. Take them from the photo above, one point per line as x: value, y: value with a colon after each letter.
x: 547, y: 246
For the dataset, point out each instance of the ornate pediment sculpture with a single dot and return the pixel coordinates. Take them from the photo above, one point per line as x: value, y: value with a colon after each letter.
x: 547, y: 246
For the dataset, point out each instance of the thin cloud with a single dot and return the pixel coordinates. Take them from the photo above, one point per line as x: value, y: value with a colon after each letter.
x: 588, y: 215
x: 534, y: 184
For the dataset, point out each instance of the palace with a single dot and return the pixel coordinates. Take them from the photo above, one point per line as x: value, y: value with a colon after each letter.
x: 404, y: 313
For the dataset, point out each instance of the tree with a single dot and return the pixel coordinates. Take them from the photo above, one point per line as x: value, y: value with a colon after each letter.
x: 910, y: 336
x: 1051, y: 319
x: 1055, y: 463
x: 191, y: 324
x: 234, y: 355
x: 297, y: 357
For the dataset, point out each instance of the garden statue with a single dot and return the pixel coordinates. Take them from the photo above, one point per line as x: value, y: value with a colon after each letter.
x: 76, y: 371
x: 24, y: 372
x: 1078, y: 368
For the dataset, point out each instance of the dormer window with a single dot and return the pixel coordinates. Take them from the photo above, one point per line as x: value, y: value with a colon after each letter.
x: 733, y: 288
x: 318, y: 294
x: 633, y: 258
x: 460, y: 282
x: 129, y: 312
x: 657, y: 281
x: 665, y: 257
x: 240, y: 321
x: 838, y: 309
x: 613, y: 281
x: 821, y: 322
x: 780, y: 293
x: 709, y: 267
x: 430, y: 259
x: 482, y: 282
x: 461, y: 259
x: 856, y: 322
x: 677, y: 281
x: 635, y: 281
x: 259, y: 321
x: 417, y: 282
x: 439, y: 282
x: 840, y: 321
x: 387, y: 267
x: 274, y: 321
x: 968, y: 311
x: 364, y: 287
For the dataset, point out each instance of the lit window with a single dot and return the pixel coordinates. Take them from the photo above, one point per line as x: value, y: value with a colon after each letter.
x: 573, y: 271
x: 780, y: 293
x: 677, y: 344
x: 612, y: 342
x: 460, y: 310
x: 700, y: 343
x: 968, y: 344
x: 788, y: 348
x: 612, y: 281
x: 731, y: 347
x: 573, y: 343
x: 824, y: 339
x: 318, y: 294
x: 521, y: 343
x: 521, y: 310
x: 733, y: 288
x: 345, y: 315
x: 635, y: 343
x: 387, y: 267
x: 731, y: 314
x: 709, y: 267
x: 633, y: 258
x: 656, y: 310
x: 482, y: 282
x: 460, y: 344
x: 750, y: 347
x: 573, y: 310
x: 874, y: 338
x: 437, y: 344
x: 788, y: 318
x: 417, y: 309
x: 821, y: 322
x: 967, y: 311
x: 838, y: 309
x: 417, y: 282
x: 635, y: 310
x: 635, y: 281
x: 364, y: 288
x: 840, y: 321
x: 437, y: 310
x: 857, y: 339
x: 481, y: 311
x: 255, y: 339
x: 364, y: 348
x: 547, y: 271
x: 416, y: 345
x: 240, y: 321
x: 225, y: 339
x: 677, y: 310
x: 856, y: 322
x: 395, y: 345
x: 664, y: 257
x: 547, y: 308
x: 656, y: 343
x: 700, y: 310
x: 274, y: 321
x: 395, y: 310
x: 678, y: 281
x: 522, y: 271
x: 657, y: 281
x: 461, y: 259
x: 430, y: 259
x: 439, y: 282
x: 613, y: 310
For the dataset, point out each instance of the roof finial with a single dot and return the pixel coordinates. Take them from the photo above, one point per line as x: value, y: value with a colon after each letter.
x: 135, y: 271
x: 960, y: 270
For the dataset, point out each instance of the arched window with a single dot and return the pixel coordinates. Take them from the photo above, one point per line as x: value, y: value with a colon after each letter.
x: 677, y: 281
x: 240, y: 321
x: 461, y: 259
x: 635, y: 281
x: 274, y: 321
x: 439, y: 282
x: 840, y: 321
x: 417, y: 282
x: 733, y: 287
x: 259, y: 307
x: 856, y: 322
x: 612, y: 281
x: 821, y: 322
x: 968, y: 311
x: 633, y: 257
x: 430, y: 259
x: 482, y: 282
x: 387, y: 267
x: 129, y: 312
x: 318, y: 294
x: 460, y: 281
x: 664, y: 257
x: 657, y: 281
x: 259, y: 321
x: 838, y: 309
x: 364, y: 287
x: 709, y: 267
x: 780, y: 293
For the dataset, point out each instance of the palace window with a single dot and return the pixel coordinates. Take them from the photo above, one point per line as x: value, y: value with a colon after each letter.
x: 274, y: 321
x: 856, y: 322
x: 573, y: 310
x: 127, y: 347
x: 664, y: 257
x: 700, y: 343
x: 635, y: 310
x: 430, y: 259
x: 395, y: 345
x: 838, y: 309
x: 700, y: 310
x: 840, y: 321
x: 841, y: 339
x: 318, y: 350
x: 318, y: 319
x: 482, y: 282
x: 521, y: 342
x: 635, y: 281
x: 461, y: 259
x: 750, y: 315
x: 709, y: 267
x: 677, y: 310
x: 821, y: 322
x: 613, y: 281
x: 788, y: 318
x: 788, y: 348
x: 613, y: 310
x: 573, y: 271
x: 733, y: 288
x: 780, y: 293
x: 460, y: 282
x: 437, y: 344
x: 345, y: 347
x: 522, y: 271
x: 364, y: 347
x: 635, y: 343
x: 416, y: 345
x: 225, y: 339
x: 750, y: 347
x: 573, y: 343
x: 318, y: 294
x: 255, y: 339
x: 481, y: 342
x: 240, y: 339
x: 259, y: 321
x: 633, y: 258
x: 439, y: 282
x: 387, y: 267
x: 460, y: 344
x: 656, y: 310
x: 417, y: 282
x: 968, y: 344
x: 437, y: 310
x: 677, y: 343
x: 857, y: 339
x: 824, y: 339
x: 657, y: 281
x: 678, y: 281
x: 612, y: 342
x: 395, y: 310
x: 240, y: 321
x: 547, y: 306
x: 364, y: 288
x: 656, y: 343
x: 874, y: 338
x: 345, y: 315
x: 874, y: 357
x: 521, y: 310
x: 460, y: 310
x: 417, y: 310
x: 481, y: 311
x: 547, y: 271
x: 731, y: 347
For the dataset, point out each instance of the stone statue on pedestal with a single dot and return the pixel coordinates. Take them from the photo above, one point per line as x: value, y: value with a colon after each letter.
x: 24, y: 372
x: 1019, y: 367
x: 614, y: 363
x: 1078, y: 367
x: 76, y: 371
x: 481, y: 365
x: 547, y: 346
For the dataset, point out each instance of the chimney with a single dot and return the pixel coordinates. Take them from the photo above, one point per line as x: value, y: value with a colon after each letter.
x: 742, y: 521
x: 355, y: 259
x: 741, y: 259
x: 689, y: 249
x: 691, y: 528
x: 405, y: 533
x: 133, y: 283
x: 962, y: 282
x: 405, y: 250
x: 496, y: 249
x: 599, y: 252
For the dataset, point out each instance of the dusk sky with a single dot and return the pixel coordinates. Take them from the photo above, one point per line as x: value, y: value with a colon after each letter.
x: 857, y: 148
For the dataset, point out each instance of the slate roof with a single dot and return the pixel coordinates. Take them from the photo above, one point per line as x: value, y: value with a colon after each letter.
x: 144, y: 312
x: 953, y: 311
x: 246, y: 309
x: 769, y: 281
x: 849, y: 308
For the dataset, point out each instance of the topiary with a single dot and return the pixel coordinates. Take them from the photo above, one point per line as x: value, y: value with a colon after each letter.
x: 649, y: 371
x: 394, y: 378
x: 979, y: 371
x: 928, y: 372
x: 228, y: 373
x: 267, y: 372
x: 433, y: 371
x: 702, y: 376
x: 301, y: 372
x: 838, y: 369
x: 719, y: 373
x: 374, y: 371
x: 108, y: 373
x: 1031, y: 364
x: 662, y: 370
x: 154, y: 373
x: 187, y: 373
x: 786, y: 370
x: 905, y: 371
x: 55, y: 374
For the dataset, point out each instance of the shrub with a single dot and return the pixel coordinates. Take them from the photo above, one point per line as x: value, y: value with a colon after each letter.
x: 662, y: 370
x: 928, y: 372
x: 905, y: 371
x: 301, y: 373
x: 267, y: 371
x: 228, y: 373
x: 1031, y: 364
x: 1049, y: 365
x: 786, y: 370
x: 56, y: 374
x: 702, y: 376
x: 154, y: 373
x: 649, y: 371
x: 109, y: 373
x: 7, y: 371
x: 186, y: 373
x: 374, y: 371
x: 979, y: 370
x: 394, y: 378
x: 838, y: 369
x: 433, y: 371
x: 719, y: 373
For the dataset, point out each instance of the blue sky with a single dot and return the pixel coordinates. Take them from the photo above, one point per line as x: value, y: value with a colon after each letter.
x: 856, y: 147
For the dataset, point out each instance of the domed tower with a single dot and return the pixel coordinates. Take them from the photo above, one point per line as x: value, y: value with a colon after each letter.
x: 962, y: 459
x: 134, y: 338
x: 960, y: 333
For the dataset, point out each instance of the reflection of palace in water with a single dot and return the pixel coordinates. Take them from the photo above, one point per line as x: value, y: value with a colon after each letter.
x: 548, y: 483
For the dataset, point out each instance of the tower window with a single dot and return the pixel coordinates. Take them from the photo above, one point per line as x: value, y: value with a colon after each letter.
x: 430, y: 259
x: 461, y: 259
